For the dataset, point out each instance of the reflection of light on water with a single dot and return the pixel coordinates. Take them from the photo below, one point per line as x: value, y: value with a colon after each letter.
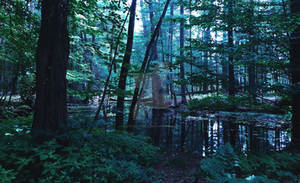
x: 249, y: 135
x: 19, y: 129
x: 284, y: 137
x: 215, y: 126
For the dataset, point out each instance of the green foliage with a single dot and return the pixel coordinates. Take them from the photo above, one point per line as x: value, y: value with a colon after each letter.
x: 233, y: 103
x: 226, y: 162
x: 7, y: 176
x: 96, y: 157
x: 281, y: 166
x: 227, y: 166
x: 26, y: 89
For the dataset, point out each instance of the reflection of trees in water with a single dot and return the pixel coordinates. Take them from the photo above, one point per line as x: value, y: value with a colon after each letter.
x: 204, y: 136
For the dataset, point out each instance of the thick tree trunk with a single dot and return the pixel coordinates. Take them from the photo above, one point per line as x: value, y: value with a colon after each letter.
x: 124, y: 69
x: 50, y: 116
x: 295, y: 65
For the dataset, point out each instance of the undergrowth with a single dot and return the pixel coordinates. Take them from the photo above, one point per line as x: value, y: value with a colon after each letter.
x: 96, y: 157
x: 231, y: 167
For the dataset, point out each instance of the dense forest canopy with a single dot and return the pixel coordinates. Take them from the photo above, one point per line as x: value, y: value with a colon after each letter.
x: 212, y: 82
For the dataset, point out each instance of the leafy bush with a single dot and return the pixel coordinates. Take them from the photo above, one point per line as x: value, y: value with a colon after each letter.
x: 227, y: 166
x: 26, y: 89
x: 282, y: 166
x: 95, y: 157
x: 222, y: 166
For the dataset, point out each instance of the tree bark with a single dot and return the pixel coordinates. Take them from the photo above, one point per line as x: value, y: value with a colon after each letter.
x: 173, y: 94
x: 131, y: 121
x: 124, y: 69
x: 295, y: 65
x: 181, y: 39
x: 110, y: 70
x: 251, y: 67
x: 230, y: 44
x: 50, y: 116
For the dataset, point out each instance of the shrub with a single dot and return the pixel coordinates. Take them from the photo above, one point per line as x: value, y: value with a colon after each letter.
x: 96, y: 157
x: 227, y: 166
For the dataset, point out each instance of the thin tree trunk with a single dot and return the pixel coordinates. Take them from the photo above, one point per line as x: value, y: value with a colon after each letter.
x: 230, y: 44
x: 131, y: 121
x: 171, y: 53
x: 181, y: 39
x: 251, y: 67
x: 207, y: 39
x: 124, y: 69
x: 110, y: 70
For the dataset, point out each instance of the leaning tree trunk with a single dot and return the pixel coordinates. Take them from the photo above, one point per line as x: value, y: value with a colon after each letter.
x: 112, y: 62
x: 131, y: 121
x: 50, y: 115
x: 124, y: 69
x: 295, y: 65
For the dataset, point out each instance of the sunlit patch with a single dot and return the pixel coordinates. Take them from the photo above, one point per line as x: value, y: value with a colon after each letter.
x: 19, y: 130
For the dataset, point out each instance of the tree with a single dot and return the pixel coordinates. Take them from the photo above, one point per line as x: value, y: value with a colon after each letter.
x: 50, y: 115
x: 231, y: 44
x: 124, y: 68
x: 295, y: 65
x: 142, y: 70
x: 181, y: 40
x: 251, y: 67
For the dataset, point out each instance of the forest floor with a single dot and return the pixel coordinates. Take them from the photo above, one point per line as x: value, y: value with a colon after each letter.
x: 179, y: 168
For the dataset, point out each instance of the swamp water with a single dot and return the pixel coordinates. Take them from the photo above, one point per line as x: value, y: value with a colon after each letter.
x: 204, y: 133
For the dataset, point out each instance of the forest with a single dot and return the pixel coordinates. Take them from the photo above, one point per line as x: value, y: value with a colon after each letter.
x: 150, y: 91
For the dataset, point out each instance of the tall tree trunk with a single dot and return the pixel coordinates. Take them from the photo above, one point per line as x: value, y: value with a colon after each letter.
x: 181, y: 36
x: 112, y: 62
x: 295, y: 65
x: 225, y: 69
x: 144, y: 19
x: 207, y: 38
x: 230, y: 44
x: 50, y: 116
x: 140, y: 79
x: 124, y: 68
x: 171, y: 53
x: 251, y: 67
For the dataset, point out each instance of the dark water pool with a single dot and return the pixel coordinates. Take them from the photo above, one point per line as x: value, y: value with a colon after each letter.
x: 203, y: 134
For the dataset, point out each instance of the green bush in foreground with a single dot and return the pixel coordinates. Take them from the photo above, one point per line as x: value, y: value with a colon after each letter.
x: 227, y: 166
x: 96, y: 157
